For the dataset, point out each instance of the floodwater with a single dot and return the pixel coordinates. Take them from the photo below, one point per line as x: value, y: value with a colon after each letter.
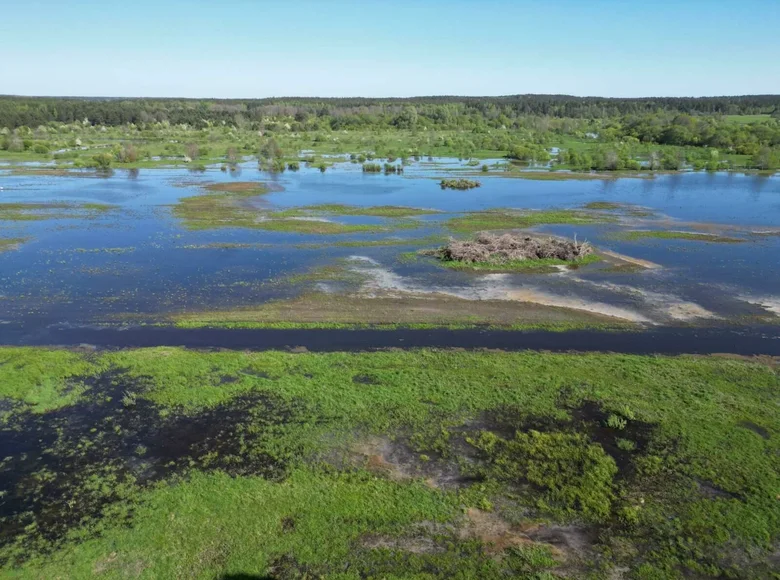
x: 139, y: 263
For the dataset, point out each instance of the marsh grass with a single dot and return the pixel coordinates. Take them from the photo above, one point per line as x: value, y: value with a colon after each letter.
x: 677, y: 235
x: 7, y: 244
x: 528, y: 432
x: 51, y: 211
x: 510, y: 219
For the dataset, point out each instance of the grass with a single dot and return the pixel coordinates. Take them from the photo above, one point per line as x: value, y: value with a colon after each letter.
x: 657, y: 465
x: 675, y: 235
x: 387, y: 211
x: 507, y: 219
x: 21, y: 212
x: 329, y: 310
x: 11, y: 243
x: 546, y: 264
x: 228, y: 208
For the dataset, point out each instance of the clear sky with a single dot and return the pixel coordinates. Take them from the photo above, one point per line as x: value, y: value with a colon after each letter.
x: 264, y: 48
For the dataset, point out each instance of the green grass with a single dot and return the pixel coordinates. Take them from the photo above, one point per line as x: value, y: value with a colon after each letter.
x: 746, y: 119
x: 22, y: 212
x: 507, y: 219
x: 387, y: 211
x: 227, y: 208
x: 11, y: 243
x: 518, y: 265
x: 42, y: 379
x: 674, y: 235
x: 693, y: 493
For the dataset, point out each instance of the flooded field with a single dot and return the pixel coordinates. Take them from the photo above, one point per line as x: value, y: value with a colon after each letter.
x: 248, y: 248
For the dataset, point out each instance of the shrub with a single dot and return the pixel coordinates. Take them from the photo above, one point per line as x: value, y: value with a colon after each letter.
x: 616, y: 422
x: 459, y: 184
x: 103, y: 160
x: 293, y: 166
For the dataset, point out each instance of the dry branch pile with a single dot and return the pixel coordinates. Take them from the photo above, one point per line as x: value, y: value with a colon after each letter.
x: 487, y: 247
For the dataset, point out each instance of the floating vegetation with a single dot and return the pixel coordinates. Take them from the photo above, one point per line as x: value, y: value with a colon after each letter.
x: 459, y: 184
x: 11, y: 243
x: 677, y: 235
x: 51, y: 211
x: 510, y: 219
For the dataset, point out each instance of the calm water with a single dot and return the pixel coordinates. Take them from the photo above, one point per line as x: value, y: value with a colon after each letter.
x: 64, y: 273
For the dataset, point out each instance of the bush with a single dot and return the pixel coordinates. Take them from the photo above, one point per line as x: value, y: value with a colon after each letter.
x: 40, y: 148
x: 103, y: 160
x: 293, y: 166
x: 459, y: 184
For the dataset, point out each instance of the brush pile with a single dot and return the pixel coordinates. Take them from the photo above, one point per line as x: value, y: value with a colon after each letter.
x: 486, y: 247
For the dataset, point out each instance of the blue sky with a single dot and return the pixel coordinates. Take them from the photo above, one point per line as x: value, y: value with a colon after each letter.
x: 263, y: 48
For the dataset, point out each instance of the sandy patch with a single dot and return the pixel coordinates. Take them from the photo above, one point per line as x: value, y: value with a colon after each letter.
x: 628, y: 259
x: 538, y: 297
x: 770, y: 303
x: 381, y: 281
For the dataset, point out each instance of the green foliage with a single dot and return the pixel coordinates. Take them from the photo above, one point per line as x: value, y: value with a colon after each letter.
x: 507, y: 220
x: 699, y: 498
x: 574, y: 475
x: 459, y: 184
x: 616, y: 422
x: 102, y: 160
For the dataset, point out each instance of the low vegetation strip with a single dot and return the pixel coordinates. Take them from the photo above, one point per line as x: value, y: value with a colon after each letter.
x: 511, y: 219
x: 677, y: 235
x: 12, y: 211
x: 229, y: 208
x: 11, y: 243
x: 422, y: 463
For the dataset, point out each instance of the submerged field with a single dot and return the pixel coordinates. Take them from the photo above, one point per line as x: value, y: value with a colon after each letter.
x: 246, y: 247
x: 428, y: 464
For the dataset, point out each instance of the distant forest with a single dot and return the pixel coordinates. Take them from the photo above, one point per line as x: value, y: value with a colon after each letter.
x: 431, y: 112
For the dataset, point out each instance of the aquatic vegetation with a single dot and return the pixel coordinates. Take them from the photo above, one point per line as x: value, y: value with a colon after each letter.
x: 51, y: 211
x: 399, y: 463
x: 459, y: 184
x: 228, y: 209
x: 330, y: 310
x: 387, y: 211
x: 511, y: 219
x: 11, y: 243
x: 677, y: 235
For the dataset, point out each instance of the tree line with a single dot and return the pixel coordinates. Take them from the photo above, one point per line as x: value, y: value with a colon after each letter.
x: 432, y: 112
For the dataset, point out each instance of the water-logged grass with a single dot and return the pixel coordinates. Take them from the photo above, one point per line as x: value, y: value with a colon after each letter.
x: 21, y: 212
x: 658, y: 465
x: 229, y: 208
x: 507, y: 220
x: 400, y: 310
x: 677, y: 235
x: 387, y: 211
x: 11, y: 243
